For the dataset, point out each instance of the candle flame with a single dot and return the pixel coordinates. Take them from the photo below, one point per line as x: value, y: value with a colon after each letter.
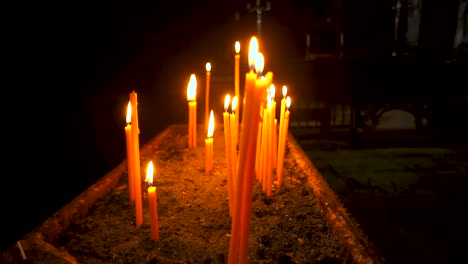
x: 288, y: 102
x: 149, y: 173
x: 237, y: 45
x: 208, y: 66
x: 129, y: 113
x: 234, y: 104
x: 227, y: 99
x: 211, y: 125
x: 253, y: 50
x: 192, y: 88
x: 272, y: 91
x: 259, y: 63
x: 268, y: 99
x: 285, y: 90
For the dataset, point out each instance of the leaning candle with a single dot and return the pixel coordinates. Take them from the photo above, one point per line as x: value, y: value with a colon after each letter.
x: 136, y: 161
x: 207, y: 94
x: 249, y: 166
x: 227, y: 143
x: 192, y: 105
x: 246, y: 146
x: 236, y: 82
x: 209, y: 145
x: 130, y: 163
x: 152, y: 201
x: 283, y: 143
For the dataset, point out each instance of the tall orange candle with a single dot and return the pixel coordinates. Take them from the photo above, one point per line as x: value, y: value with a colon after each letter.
x: 237, y: 83
x: 130, y: 155
x: 227, y: 144
x: 264, y: 146
x: 269, y: 147
x: 274, y: 149
x: 192, y: 105
x: 232, y: 122
x: 283, y: 143
x: 282, y: 108
x: 207, y: 95
x: 246, y: 146
x: 248, y: 169
x: 259, y: 144
x: 136, y: 161
x: 209, y: 145
x: 152, y: 201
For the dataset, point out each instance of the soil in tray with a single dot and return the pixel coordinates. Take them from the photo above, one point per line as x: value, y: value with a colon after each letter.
x: 194, y: 220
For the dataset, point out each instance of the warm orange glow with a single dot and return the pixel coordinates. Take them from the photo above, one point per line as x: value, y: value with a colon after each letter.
x: 227, y: 99
x: 259, y: 63
x: 272, y: 91
x: 253, y: 50
x: 211, y: 125
x: 288, y: 102
x: 129, y: 113
x: 285, y: 90
x: 208, y: 66
x: 192, y: 88
x: 237, y: 45
x: 149, y: 173
x: 234, y: 104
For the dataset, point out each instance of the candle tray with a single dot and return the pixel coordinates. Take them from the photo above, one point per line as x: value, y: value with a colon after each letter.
x: 303, y: 222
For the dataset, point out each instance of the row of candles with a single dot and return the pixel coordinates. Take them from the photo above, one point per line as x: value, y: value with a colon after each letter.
x: 261, y: 144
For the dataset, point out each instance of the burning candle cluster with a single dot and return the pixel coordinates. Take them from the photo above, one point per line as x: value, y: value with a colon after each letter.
x: 254, y: 145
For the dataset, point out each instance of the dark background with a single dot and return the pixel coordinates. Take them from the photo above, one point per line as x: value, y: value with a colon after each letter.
x: 75, y: 63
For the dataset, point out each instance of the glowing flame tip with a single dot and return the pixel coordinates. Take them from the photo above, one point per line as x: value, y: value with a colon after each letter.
x: 259, y: 63
x: 192, y: 88
x: 288, y: 102
x: 237, y: 46
x: 211, y: 125
x: 149, y: 173
x: 253, y: 50
x: 227, y: 99
x: 234, y: 104
x: 129, y: 112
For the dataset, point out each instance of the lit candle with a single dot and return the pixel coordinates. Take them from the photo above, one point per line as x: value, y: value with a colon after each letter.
x: 236, y: 82
x: 152, y: 201
x: 246, y: 166
x: 249, y: 159
x: 130, y: 163
x: 251, y: 103
x: 232, y: 122
x: 209, y: 145
x: 136, y: 161
x: 207, y: 93
x: 192, y: 105
x: 227, y: 143
x: 283, y: 143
